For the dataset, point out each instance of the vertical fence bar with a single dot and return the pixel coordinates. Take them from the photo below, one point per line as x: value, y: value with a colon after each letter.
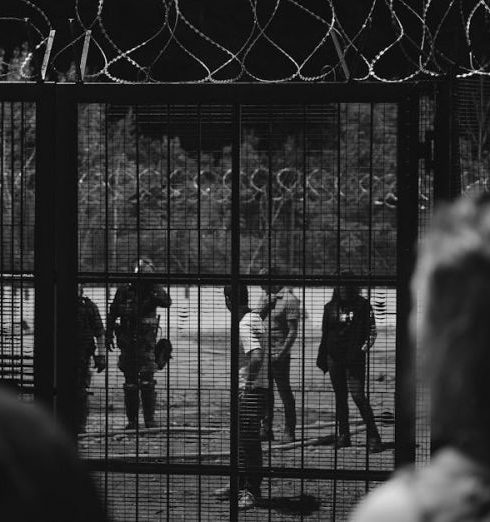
x: 44, y: 293
x: 235, y: 318
x: 407, y: 217
x: 66, y: 255
x: 447, y: 181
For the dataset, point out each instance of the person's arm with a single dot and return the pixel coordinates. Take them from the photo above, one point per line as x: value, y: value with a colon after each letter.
x: 250, y: 371
x: 111, y: 320
x: 266, y: 304
x: 324, y: 326
x: 291, y: 310
x: 98, y: 330
x: 251, y: 337
x: 371, y: 330
x: 290, y: 338
x: 322, y: 360
x: 98, y: 333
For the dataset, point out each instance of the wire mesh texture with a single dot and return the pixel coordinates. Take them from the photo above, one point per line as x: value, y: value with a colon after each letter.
x: 17, y: 195
x: 318, y: 197
x: 259, y: 41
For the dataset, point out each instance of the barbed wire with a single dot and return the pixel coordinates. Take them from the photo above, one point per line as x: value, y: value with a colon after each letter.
x: 258, y: 185
x: 384, y: 40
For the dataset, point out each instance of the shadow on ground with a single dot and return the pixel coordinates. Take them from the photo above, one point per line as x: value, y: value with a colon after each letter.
x: 303, y: 505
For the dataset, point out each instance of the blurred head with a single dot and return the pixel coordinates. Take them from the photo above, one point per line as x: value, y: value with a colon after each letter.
x: 243, y: 296
x: 451, y: 323
x: 41, y: 476
x: 273, y: 271
x: 144, y: 265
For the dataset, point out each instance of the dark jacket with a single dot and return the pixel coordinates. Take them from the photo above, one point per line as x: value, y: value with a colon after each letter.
x: 89, y: 325
x: 135, y: 302
x: 346, y: 327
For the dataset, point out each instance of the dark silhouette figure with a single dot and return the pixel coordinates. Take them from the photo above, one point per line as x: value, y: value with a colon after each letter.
x: 40, y: 475
x: 348, y: 331
x: 135, y: 305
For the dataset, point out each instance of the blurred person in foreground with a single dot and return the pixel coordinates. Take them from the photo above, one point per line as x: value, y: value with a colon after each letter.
x: 41, y: 478
x: 253, y: 376
x: 279, y: 310
x: 451, y: 286
x: 135, y: 304
x: 90, y: 344
x: 348, y: 332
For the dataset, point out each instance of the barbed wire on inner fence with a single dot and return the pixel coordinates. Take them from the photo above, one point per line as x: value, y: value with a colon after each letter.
x: 320, y: 185
x: 390, y: 41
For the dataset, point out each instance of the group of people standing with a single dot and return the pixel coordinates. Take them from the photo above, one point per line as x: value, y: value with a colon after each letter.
x: 267, y: 336
x: 132, y: 319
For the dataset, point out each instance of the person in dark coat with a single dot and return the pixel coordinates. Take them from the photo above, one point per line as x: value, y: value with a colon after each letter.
x: 348, y: 332
x: 90, y: 344
x: 135, y: 305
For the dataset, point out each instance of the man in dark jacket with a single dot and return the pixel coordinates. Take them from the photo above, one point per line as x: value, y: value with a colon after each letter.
x: 89, y: 327
x: 348, y: 332
x: 135, y: 305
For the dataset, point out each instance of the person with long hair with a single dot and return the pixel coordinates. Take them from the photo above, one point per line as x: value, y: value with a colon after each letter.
x: 348, y: 332
x: 451, y: 287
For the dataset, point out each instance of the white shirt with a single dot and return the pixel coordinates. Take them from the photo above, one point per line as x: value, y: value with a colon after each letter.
x: 252, y: 338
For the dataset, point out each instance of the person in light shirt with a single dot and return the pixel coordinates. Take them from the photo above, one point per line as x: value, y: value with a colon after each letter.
x: 253, y: 384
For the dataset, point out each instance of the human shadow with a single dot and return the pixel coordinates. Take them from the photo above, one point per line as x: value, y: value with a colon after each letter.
x: 329, y: 440
x: 302, y: 505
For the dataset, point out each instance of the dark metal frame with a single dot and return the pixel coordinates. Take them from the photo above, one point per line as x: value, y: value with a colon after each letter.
x: 56, y: 272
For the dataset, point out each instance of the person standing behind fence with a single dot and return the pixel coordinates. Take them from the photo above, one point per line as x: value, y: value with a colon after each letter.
x: 89, y: 327
x: 135, y: 305
x: 253, y: 377
x: 348, y: 332
x: 279, y: 310
x: 451, y: 289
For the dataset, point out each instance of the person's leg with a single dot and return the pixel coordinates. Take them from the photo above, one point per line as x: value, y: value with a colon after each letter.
x: 82, y: 395
x: 282, y: 378
x: 339, y: 383
x: 148, y: 398
x: 356, y: 381
x: 251, y: 405
x: 131, y: 397
x: 147, y: 367
x: 266, y: 432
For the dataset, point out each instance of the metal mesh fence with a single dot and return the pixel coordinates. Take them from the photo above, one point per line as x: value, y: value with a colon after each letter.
x: 17, y: 196
x: 318, y: 213
x: 318, y: 197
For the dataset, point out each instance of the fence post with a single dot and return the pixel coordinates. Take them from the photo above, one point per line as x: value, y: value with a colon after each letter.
x: 44, y: 284
x: 408, y: 190
x: 66, y: 254
x: 235, y: 318
x: 447, y: 181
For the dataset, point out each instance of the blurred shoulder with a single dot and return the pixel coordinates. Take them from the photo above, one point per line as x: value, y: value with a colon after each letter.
x: 393, y: 500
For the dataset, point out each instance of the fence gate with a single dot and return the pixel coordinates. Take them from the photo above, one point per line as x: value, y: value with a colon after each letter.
x: 316, y: 184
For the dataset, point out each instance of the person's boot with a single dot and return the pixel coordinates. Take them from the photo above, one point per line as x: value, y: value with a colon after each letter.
x: 343, y: 441
x: 148, y: 401
x: 132, y: 404
x: 374, y: 440
x: 289, y: 434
